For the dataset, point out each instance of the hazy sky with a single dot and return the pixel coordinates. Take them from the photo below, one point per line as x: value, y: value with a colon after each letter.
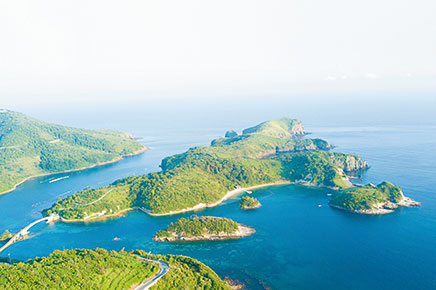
x: 81, y: 50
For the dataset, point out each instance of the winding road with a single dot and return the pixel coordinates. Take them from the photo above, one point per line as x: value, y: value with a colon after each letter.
x: 164, y: 268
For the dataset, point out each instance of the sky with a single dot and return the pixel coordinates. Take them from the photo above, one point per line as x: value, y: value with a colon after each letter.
x: 76, y: 51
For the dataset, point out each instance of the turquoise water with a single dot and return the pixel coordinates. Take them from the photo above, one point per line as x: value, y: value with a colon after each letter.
x: 297, y: 244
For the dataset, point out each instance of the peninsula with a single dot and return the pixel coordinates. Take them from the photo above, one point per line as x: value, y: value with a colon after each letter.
x: 30, y: 148
x: 370, y: 199
x: 271, y: 153
x: 248, y: 202
x: 205, y: 228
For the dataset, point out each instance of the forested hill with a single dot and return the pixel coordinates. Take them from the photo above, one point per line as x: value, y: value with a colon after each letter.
x: 273, y: 151
x: 30, y: 147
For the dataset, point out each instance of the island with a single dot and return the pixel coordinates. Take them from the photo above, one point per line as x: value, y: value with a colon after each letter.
x: 248, y: 202
x: 272, y: 153
x: 204, y: 228
x: 6, y: 235
x: 30, y: 148
x: 374, y: 200
x: 102, y: 269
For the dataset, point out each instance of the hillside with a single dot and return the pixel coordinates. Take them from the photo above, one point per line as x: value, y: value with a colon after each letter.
x: 102, y: 269
x: 30, y: 147
x: 203, y: 175
x: 78, y: 269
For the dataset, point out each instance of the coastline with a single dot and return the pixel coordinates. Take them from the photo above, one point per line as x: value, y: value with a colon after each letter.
x: 199, y: 206
x: 142, y: 150
x: 228, y: 195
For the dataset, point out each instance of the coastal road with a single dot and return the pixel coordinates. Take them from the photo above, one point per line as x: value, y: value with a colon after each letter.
x: 164, y: 268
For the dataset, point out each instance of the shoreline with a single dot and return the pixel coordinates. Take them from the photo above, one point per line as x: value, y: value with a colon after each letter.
x: 199, y: 206
x: 228, y: 195
x: 142, y: 150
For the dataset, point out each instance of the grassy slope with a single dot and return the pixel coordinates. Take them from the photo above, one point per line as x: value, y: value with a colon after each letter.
x: 204, y: 174
x: 30, y: 147
x: 77, y: 269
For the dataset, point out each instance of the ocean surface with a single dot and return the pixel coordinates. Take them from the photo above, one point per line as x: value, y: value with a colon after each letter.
x: 298, y: 245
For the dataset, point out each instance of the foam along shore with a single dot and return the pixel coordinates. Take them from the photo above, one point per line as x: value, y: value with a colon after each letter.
x: 142, y: 150
x: 243, y: 231
x: 210, y: 205
x: 383, y: 207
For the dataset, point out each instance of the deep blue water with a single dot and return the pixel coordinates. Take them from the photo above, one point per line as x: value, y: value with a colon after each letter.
x: 297, y: 244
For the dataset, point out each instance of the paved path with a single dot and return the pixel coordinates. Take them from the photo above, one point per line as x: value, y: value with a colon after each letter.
x: 164, y: 268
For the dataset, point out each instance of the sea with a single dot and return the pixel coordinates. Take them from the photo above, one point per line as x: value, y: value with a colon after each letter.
x: 300, y: 242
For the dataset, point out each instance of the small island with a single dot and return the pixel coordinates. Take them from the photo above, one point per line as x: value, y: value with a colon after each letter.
x: 205, y: 228
x: 248, y: 202
x: 374, y: 200
x: 6, y: 235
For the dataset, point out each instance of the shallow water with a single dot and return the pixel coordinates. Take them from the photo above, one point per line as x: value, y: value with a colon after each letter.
x: 297, y: 244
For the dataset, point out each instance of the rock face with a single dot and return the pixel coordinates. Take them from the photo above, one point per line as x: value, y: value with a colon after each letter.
x: 231, y: 134
x: 350, y: 162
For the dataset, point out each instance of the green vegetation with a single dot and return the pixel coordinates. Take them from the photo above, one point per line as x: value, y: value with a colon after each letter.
x: 248, y: 202
x: 231, y: 134
x: 367, y: 197
x: 78, y: 269
x: 30, y: 147
x: 198, y: 227
x: 267, y: 153
x: 282, y: 128
x: 186, y: 273
x: 6, y: 235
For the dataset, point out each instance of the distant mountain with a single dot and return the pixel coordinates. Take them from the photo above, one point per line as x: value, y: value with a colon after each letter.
x: 30, y: 147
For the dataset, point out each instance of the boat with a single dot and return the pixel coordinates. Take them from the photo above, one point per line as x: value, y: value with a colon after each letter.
x: 329, y: 194
x: 319, y: 205
x: 57, y: 179
x: 116, y: 239
x: 249, y: 192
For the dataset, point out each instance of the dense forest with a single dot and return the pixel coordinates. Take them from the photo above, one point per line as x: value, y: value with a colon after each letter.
x: 198, y: 226
x: 30, y: 147
x: 78, y: 269
x: 248, y: 202
x: 364, y: 198
x: 204, y: 174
